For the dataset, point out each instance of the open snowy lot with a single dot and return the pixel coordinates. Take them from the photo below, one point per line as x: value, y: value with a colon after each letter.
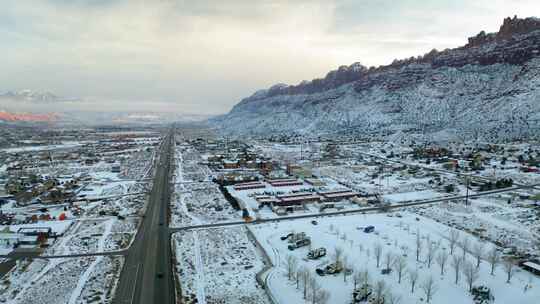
x: 394, y: 241
x: 201, y: 203
x: 218, y: 265
x: 85, y: 280
x: 511, y: 226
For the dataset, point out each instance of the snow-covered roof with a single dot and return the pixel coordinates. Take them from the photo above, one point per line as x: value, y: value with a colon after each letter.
x: 532, y: 265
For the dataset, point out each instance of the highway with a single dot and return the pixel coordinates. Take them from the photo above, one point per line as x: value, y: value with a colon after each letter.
x: 147, y: 275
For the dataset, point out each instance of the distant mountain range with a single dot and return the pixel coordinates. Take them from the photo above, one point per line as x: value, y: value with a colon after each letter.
x: 487, y: 89
x: 27, y: 106
x: 32, y: 96
x: 27, y: 117
x: 99, y: 118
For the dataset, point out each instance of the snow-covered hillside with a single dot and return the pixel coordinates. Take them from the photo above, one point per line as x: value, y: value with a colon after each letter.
x: 488, y: 89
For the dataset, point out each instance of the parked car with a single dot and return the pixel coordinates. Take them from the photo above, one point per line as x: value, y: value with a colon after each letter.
x: 333, y: 268
x: 293, y: 237
x: 369, y: 229
x: 362, y: 293
x: 283, y: 238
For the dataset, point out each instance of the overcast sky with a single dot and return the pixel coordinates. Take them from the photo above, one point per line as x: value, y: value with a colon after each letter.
x: 204, y: 56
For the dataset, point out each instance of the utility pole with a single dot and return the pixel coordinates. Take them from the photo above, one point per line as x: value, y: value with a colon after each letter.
x: 467, y: 191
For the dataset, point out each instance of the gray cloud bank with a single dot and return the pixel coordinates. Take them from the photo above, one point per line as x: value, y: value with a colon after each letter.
x: 203, y: 56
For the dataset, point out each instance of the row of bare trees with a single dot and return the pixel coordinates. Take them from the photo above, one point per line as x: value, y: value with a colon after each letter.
x: 492, y: 257
x: 304, y: 279
x: 427, y: 251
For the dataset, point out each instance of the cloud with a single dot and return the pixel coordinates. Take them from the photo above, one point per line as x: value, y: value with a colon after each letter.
x: 204, y: 56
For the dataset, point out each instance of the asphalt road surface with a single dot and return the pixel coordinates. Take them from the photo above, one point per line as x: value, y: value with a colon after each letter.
x: 147, y: 275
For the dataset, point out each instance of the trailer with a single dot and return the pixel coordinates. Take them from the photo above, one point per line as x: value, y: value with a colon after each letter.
x: 362, y: 293
x: 482, y: 295
x: 333, y: 268
x: 300, y: 243
x: 317, y: 253
x: 293, y: 237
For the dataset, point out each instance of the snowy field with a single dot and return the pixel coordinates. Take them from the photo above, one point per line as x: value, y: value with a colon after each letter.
x: 195, y: 200
x: 65, y: 145
x: 397, y: 238
x: 218, y: 266
x: 69, y: 281
x: 511, y: 226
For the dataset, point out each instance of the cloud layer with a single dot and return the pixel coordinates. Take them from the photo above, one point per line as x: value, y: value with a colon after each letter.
x: 203, y: 56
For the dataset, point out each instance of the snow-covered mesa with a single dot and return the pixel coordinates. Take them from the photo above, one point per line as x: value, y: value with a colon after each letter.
x: 488, y: 89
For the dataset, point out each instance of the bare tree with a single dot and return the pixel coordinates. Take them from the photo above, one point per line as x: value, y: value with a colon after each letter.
x: 306, y: 280
x: 346, y: 268
x: 364, y: 277
x: 357, y: 277
x: 338, y: 253
x: 429, y: 287
x: 322, y: 296
x: 442, y: 258
x: 456, y: 264
x: 292, y: 263
x: 388, y: 259
x: 314, y: 288
x: 494, y: 258
x: 465, y: 243
x: 509, y: 269
x: 300, y: 272
x: 418, y: 245
x: 453, y: 238
x: 413, y: 278
x: 401, y: 265
x: 392, y: 298
x: 432, y: 248
x: 478, y: 251
x: 377, y: 251
x: 471, y: 274
x: 379, y: 290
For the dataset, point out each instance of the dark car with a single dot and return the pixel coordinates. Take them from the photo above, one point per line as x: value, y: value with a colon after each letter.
x: 369, y: 229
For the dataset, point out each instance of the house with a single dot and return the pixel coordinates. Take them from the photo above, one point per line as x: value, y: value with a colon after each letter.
x: 249, y: 186
x: 531, y: 267
x: 296, y: 199
x: 285, y: 182
x: 47, y: 231
x: 315, y: 182
x: 29, y: 240
x: 338, y: 195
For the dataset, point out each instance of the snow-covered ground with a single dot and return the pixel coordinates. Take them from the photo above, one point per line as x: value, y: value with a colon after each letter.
x: 84, y: 280
x: 397, y: 236
x: 65, y: 145
x: 218, y: 265
x: 509, y: 225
